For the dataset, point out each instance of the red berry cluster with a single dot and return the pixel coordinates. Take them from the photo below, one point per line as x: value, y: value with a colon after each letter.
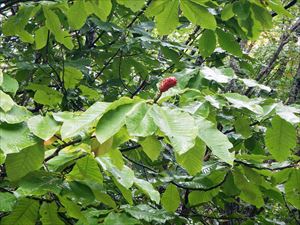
x: 167, y: 83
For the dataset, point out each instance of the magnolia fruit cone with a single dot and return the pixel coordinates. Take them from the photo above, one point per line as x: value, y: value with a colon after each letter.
x: 167, y: 83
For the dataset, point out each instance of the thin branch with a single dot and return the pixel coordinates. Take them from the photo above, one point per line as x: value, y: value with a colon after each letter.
x: 293, y: 165
x: 289, y: 5
x: 139, y: 14
x: 59, y: 148
x: 201, y: 189
x: 107, y: 64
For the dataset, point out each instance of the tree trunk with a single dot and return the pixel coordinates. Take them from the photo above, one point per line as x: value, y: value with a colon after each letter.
x: 295, y: 89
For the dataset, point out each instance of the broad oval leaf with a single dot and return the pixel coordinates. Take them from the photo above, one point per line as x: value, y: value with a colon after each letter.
x: 43, y: 127
x: 280, y: 138
x: 179, y: 126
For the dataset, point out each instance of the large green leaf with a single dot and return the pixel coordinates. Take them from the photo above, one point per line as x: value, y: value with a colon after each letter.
x: 170, y: 199
x: 249, y: 190
x: 241, y: 101
x: 242, y: 126
x: 9, y: 84
x: 227, y: 12
x: 198, y: 14
x: 16, y: 114
x: 54, y: 25
x: 15, y: 137
x: 86, y: 169
x: 149, y: 214
x: 7, y: 201
x: 43, y: 127
x: 41, y: 36
x: 207, y: 43
x: 224, y: 75
x: 280, y: 138
x: 215, y: 140
x: 228, y: 43
x: 167, y: 19
x: 71, y: 77
x: 74, y: 126
x: 292, y: 188
x: 152, y: 147
x: 77, y: 14
x: 73, y: 210
x: 133, y: 5
x: 39, y: 183
x: 112, y: 122
x: 25, y: 212
x: 124, y: 176
x: 193, y: 159
x: 139, y: 121
x: 198, y: 197
x: 102, y: 9
x: 179, y: 126
x: 148, y: 189
x: 6, y: 102
x: 49, y: 216
x: 21, y: 163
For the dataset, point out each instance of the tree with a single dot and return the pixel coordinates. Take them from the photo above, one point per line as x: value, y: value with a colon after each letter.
x: 93, y: 129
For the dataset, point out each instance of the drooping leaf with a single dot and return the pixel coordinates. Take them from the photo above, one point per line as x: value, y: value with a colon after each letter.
x: 209, y: 134
x: 198, y: 14
x: 292, y: 188
x: 86, y: 169
x: 249, y: 190
x: 103, y: 9
x: 41, y: 36
x: 6, y: 102
x: 207, y: 43
x: 124, y: 176
x: 21, y: 163
x: 280, y: 138
x: 179, y: 126
x: 170, y: 199
x: 192, y: 160
x: 9, y: 84
x: 228, y: 43
x: 167, y: 17
x: 227, y: 12
x: 148, y: 189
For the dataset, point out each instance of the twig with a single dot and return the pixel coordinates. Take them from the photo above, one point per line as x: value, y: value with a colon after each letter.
x: 59, y: 148
x: 293, y: 165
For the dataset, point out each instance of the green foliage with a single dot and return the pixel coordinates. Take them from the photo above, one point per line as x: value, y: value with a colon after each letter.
x: 86, y: 137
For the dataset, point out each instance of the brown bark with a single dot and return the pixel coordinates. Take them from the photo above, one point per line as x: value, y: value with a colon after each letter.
x: 294, y: 95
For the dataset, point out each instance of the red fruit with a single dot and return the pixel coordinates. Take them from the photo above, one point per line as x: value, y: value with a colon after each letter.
x: 167, y: 83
